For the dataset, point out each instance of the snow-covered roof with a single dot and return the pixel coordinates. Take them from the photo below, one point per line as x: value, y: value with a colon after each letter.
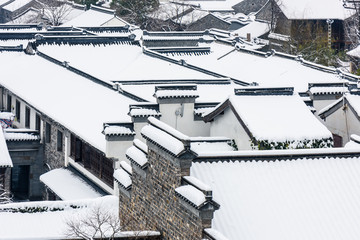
x: 129, y: 59
x: 191, y: 194
x: 276, y: 118
x: 210, y: 146
x: 222, y: 5
x: 93, y: 18
x: 191, y: 17
x: 165, y: 136
x: 123, y: 177
x: 21, y: 135
x: 352, y: 100
x: 354, y: 52
x: 328, y: 90
x: 83, y: 113
x: 118, y: 130
x: 312, y: 199
x: 67, y: 185
x: 252, y: 66
x: 16, y: 5
x: 142, y: 112
x: 207, y: 92
x: 176, y: 94
x: 319, y: 9
x: 255, y: 28
x: 138, y: 153
x: 169, y: 10
x: 5, y: 160
x: 31, y: 15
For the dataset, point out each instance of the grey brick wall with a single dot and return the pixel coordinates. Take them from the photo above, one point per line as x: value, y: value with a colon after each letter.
x: 153, y: 204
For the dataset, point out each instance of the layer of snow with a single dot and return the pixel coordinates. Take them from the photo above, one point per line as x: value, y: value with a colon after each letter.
x: 319, y: 9
x: 79, y: 104
x: 30, y: 16
x: 191, y: 17
x: 52, y: 224
x: 216, y: 5
x: 279, y: 118
x: 352, y: 145
x: 328, y: 90
x: 207, y: 92
x: 199, y: 147
x: 16, y: 5
x: 215, y: 234
x: 255, y: 28
x: 142, y: 112
x: 163, y: 139
x: 176, y: 94
x: 126, y: 166
x: 167, y: 128
x: 68, y: 186
x: 275, y: 71
x: 168, y: 11
x: 5, y: 160
x: 354, y: 101
x: 192, y: 194
x: 90, y: 18
x: 203, y: 111
x: 197, y: 183
x: 355, y: 52
x: 313, y: 199
x: 118, y: 130
x: 137, y: 155
x: 280, y: 37
x: 122, y: 177
x: 21, y: 136
x: 129, y: 59
x: 141, y: 145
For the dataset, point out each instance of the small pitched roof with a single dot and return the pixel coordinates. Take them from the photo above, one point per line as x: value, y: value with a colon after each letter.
x: 274, y: 114
x: 352, y: 100
x: 5, y: 160
x: 319, y: 9
x: 313, y: 198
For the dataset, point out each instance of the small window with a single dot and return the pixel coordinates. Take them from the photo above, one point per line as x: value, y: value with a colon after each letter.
x: 37, y: 122
x: 27, y: 117
x: 48, y: 132
x: 59, y: 141
x: 8, y: 107
x: 17, y: 111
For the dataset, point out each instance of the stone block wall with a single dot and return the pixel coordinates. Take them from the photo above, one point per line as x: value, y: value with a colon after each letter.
x: 53, y: 157
x: 153, y: 205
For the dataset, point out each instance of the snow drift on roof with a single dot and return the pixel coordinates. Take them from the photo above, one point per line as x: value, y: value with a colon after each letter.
x: 67, y: 185
x: 319, y: 9
x: 313, y: 199
x: 278, y: 118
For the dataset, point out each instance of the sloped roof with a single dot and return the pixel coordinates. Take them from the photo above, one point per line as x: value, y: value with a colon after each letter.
x: 354, y: 52
x: 67, y: 185
x: 123, y: 62
x: 15, y: 5
x: 276, y: 118
x: 255, y: 28
x: 319, y: 9
x: 94, y: 17
x: 252, y: 66
x: 353, y: 102
x: 313, y: 199
x: 70, y: 99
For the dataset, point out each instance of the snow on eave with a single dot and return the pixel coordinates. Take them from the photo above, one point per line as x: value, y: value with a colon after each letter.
x: 123, y: 178
x: 162, y: 94
x: 214, y: 234
x: 272, y: 155
x: 197, y: 183
x: 328, y: 90
x: 144, y: 112
x: 137, y: 156
x: 118, y: 130
x: 142, y: 146
x: 5, y: 159
x: 192, y: 195
x: 163, y: 126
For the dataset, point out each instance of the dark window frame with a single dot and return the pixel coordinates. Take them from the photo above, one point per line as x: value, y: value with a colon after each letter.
x: 17, y: 110
x: 8, y: 104
x: 27, y: 117
x: 37, y: 122
x: 59, y: 141
x: 48, y: 132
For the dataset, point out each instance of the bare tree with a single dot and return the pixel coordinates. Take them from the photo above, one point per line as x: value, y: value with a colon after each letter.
x: 352, y: 24
x: 54, y: 12
x: 100, y: 223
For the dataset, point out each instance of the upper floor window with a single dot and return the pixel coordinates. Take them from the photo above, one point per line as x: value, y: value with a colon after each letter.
x: 8, y: 106
x: 27, y: 117
x: 37, y: 122
x: 48, y: 132
x: 17, y: 110
x: 59, y: 140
